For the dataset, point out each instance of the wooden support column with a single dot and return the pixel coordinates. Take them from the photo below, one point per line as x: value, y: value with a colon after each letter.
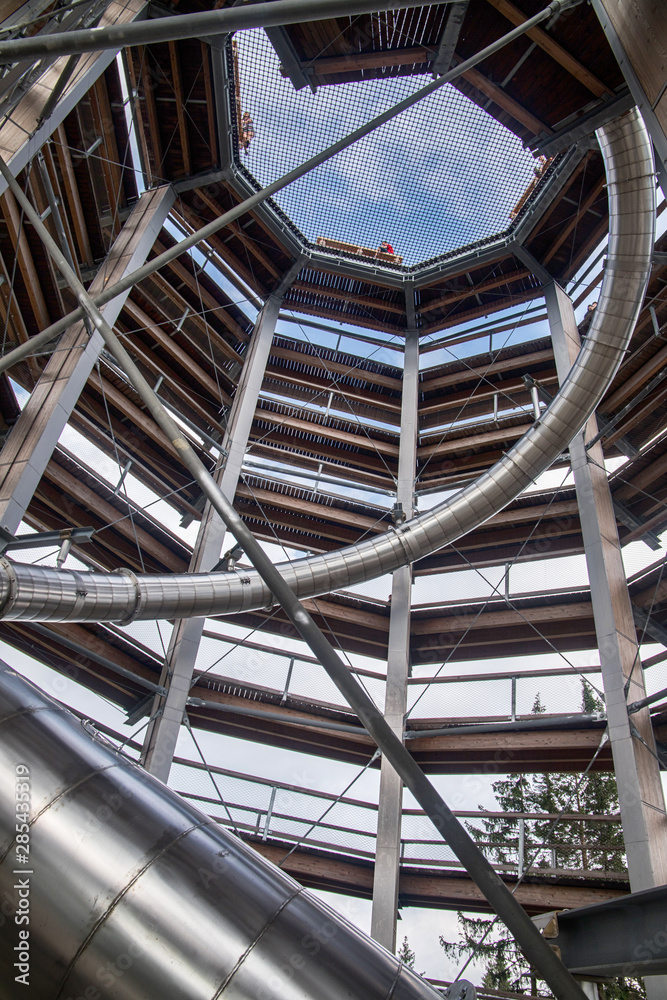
x: 637, y: 771
x: 388, y: 847
x: 35, y: 434
x: 168, y: 711
x: 636, y: 33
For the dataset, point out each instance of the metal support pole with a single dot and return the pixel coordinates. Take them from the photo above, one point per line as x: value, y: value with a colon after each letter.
x: 390, y: 808
x: 637, y: 771
x: 33, y: 438
x: 534, y: 947
x: 40, y: 339
x: 177, y: 672
x: 213, y: 22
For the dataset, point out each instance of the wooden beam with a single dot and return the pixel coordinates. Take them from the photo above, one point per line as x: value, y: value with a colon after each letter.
x: 109, y: 159
x: 440, y: 889
x: 210, y: 102
x: 180, y: 107
x: 486, y: 310
x: 331, y: 65
x: 72, y: 486
x: 494, y: 368
x: 342, y: 316
x: 362, y: 440
x: 553, y: 48
x: 206, y: 301
x: 337, y: 293
x: 235, y: 227
x: 167, y: 344
x: 507, y: 103
x: 353, y: 397
x: 16, y: 229
x: 566, y: 229
x: 146, y: 87
x: 335, y: 367
x: 484, y: 286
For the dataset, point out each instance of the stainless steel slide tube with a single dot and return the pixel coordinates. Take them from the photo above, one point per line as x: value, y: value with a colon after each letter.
x: 33, y: 593
x: 131, y: 892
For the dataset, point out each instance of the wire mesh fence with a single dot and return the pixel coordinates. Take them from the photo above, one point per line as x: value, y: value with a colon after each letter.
x: 440, y: 176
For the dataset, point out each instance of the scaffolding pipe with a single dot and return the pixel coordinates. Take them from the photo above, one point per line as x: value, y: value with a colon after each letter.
x: 529, y: 939
x: 250, y: 203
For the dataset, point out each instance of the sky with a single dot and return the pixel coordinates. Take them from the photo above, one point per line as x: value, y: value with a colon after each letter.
x: 441, y: 175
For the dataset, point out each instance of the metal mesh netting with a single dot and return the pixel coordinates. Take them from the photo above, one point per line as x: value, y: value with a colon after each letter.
x: 442, y: 175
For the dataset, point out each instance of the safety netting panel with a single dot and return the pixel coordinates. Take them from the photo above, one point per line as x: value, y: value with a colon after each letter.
x: 440, y: 176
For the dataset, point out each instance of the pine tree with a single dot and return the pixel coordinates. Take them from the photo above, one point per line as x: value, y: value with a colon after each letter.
x: 571, y: 844
x: 406, y: 954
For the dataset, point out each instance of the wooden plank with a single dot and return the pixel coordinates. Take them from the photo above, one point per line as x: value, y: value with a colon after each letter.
x: 486, y: 310
x: 109, y: 159
x: 235, y: 227
x: 163, y: 339
x: 642, y: 28
x: 566, y: 229
x: 210, y: 102
x: 73, y: 486
x: 16, y: 229
x: 484, y: 286
x: 361, y: 300
x: 331, y: 65
x: 463, y: 621
x: 335, y: 367
x: 73, y: 198
x: 208, y: 302
x: 55, y: 183
x: 476, y: 441
x: 364, y: 441
x: 343, y: 316
x: 350, y: 394
x: 507, y: 103
x: 180, y: 107
x: 137, y: 117
x: 553, y: 48
x: 146, y: 90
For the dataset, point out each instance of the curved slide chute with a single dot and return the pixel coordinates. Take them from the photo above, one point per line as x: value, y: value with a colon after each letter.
x: 130, y: 892
x: 32, y: 593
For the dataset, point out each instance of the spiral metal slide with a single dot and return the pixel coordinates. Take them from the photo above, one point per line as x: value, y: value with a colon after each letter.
x: 132, y: 893
x: 32, y: 593
x: 129, y: 892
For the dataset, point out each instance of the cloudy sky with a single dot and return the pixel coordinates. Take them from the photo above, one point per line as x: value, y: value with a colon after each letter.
x: 438, y: 177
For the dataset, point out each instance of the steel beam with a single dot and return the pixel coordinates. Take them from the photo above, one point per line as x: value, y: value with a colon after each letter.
x: 390, y: 809
x: 213, y: 22
x: 637, y: 771
x: 450, y: 36
x: 620, y: 937
x: 536, y: 950
x: 178, y: 670
x: 582, y: 126
x: 289, y: 59
x: 34, y: 436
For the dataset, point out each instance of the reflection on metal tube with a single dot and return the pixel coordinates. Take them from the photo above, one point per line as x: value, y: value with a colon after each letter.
x: 33, y: 593
x: 134, y: 893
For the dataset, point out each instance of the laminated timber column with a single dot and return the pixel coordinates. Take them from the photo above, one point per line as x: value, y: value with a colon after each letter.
x: 35, y: 435
x: 388, y: 845
x: 637, y: 772
x: 168, y: 710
